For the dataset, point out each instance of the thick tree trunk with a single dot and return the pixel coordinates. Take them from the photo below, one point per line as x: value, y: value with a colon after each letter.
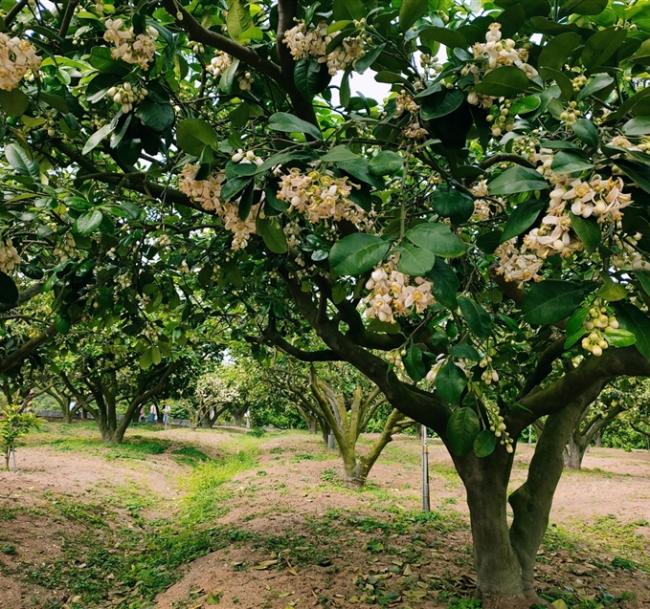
x: 574, y: 453
x: 499, y: 572
x: 355, y: 468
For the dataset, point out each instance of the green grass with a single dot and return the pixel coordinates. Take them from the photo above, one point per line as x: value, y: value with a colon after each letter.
x: 143, y: 560
x: 134, y: 447
x: 189, y: 455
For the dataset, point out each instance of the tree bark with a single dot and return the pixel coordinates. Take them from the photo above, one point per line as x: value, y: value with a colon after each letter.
x: 574, y: 453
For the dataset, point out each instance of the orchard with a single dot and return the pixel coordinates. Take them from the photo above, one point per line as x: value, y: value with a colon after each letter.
x: 464, y: 235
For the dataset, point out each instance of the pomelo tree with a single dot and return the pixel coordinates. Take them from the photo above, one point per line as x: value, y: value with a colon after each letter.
x: 475, y: 243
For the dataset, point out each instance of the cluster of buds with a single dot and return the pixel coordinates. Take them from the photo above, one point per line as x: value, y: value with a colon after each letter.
x: 67, y: 248
x: 9, y: 257
x: 499, y: 116
x: 494, y: 53
x: 571, y: 114
x: 303, y: 43
x: 415, y: 131
x: 482, y: 210
x: 498, y: 426
x: 405, y: 103
x: 627, y: 256
x: 207, y: 193
x: 392, y: 294
x: 579, y: 81
x: 17, y: 57
x: 489, y: 374
x: 247, y: 157
x: 219, y: 64
x: 127, y: 95
x: 320, y: 196
x: 517, y: 265
x: 136, y: 49
x: 123, y: 281
x: 246, y: 81
x: 597, y: 322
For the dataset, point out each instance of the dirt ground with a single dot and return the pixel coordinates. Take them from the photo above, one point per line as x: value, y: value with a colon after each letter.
x: 313, y: 542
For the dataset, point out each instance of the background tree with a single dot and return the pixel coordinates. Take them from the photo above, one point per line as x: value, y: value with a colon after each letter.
x: 484, y: 223
x: 15, y: 422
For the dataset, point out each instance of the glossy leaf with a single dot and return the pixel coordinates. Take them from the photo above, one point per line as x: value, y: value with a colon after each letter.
x: 517, y: 179
x: 357, y: 253
x: 437, y: 238
x: 553, y: 300
x: 462, y: 428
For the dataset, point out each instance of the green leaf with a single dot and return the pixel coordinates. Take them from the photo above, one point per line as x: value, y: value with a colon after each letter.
x: 101, y: 59
x: 445, y: 284
x: 637, y: 322
x: 449, y: 38
x: 527, y: 104
x: 385, y: 163
x: 288, y: 123
x: 8, y: 290
x: 159, y: 117
x: 437, y: 238
x: 555, y: 54
x: 639, y: 125
x: 361, y: 65
x: 272, y: 235
x: 596, y: 83
x: 601, y: 46
x: 307, y: 76
x: 340, y: 153
x: 551, y: 301
x: 89, y: 222
x: 98, y: 137
x: 587, y: 132
x: 21, y: 161
x: 521, y: 219
x: 414, y: 363
x: 451, y: 382
x: 453, y: 204
x: 485, y: 443
x: 238, y: 19
x: 14, y: 103
x: 644, y: 279
x: 441, y: 104
x: 639, y: 173
x: 575, y: 328
x: 506, y: 81
x: 476, y: 316
x: 612, y: 291
x: 583, y: 7
x: 410, y: 12
x: 357, y: 253
x: 619, y: 337
x: 462, y: 428
x: 517, y: 179
x: 194, y: 134
x: 642, y: 54
x: 587, y: 230
x: 570, y: 162
x: 413, y: 260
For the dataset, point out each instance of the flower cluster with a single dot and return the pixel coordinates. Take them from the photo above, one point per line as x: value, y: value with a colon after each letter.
x: 392, y: 294
x: 137, y: 49
x: 320, y: 196
x: 9, y: 257
x: 303, y: 42
x: 246, y: 157
x: 571, y: 114
x: 219, y: 64
x: 498, y: 426
x: 405, y: 103
x: 500, y: 117
x: 597, y: 322
x: 489, y: 374
x: 207, y: 193
x: 517, y: 265
x: 492, y: 54
x: 127, y: 95
x: 67, y: 248
x: 17, y: 57
x: 628, y: 257
x: 482, y: 210
x: 602, y: 199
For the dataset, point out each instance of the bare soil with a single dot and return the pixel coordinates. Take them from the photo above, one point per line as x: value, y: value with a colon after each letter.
x: 313, y: 542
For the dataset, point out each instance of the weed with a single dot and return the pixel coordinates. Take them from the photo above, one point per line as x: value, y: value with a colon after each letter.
x: 189, y: 455
x: 135, y: 447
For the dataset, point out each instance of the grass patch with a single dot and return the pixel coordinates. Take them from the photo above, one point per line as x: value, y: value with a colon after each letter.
x: 142, y: 560
x: 134, y: 447
x: 189, y: 455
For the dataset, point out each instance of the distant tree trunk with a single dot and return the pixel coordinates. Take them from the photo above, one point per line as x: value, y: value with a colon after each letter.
x: 347, y: 421
x: 574, y: 453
